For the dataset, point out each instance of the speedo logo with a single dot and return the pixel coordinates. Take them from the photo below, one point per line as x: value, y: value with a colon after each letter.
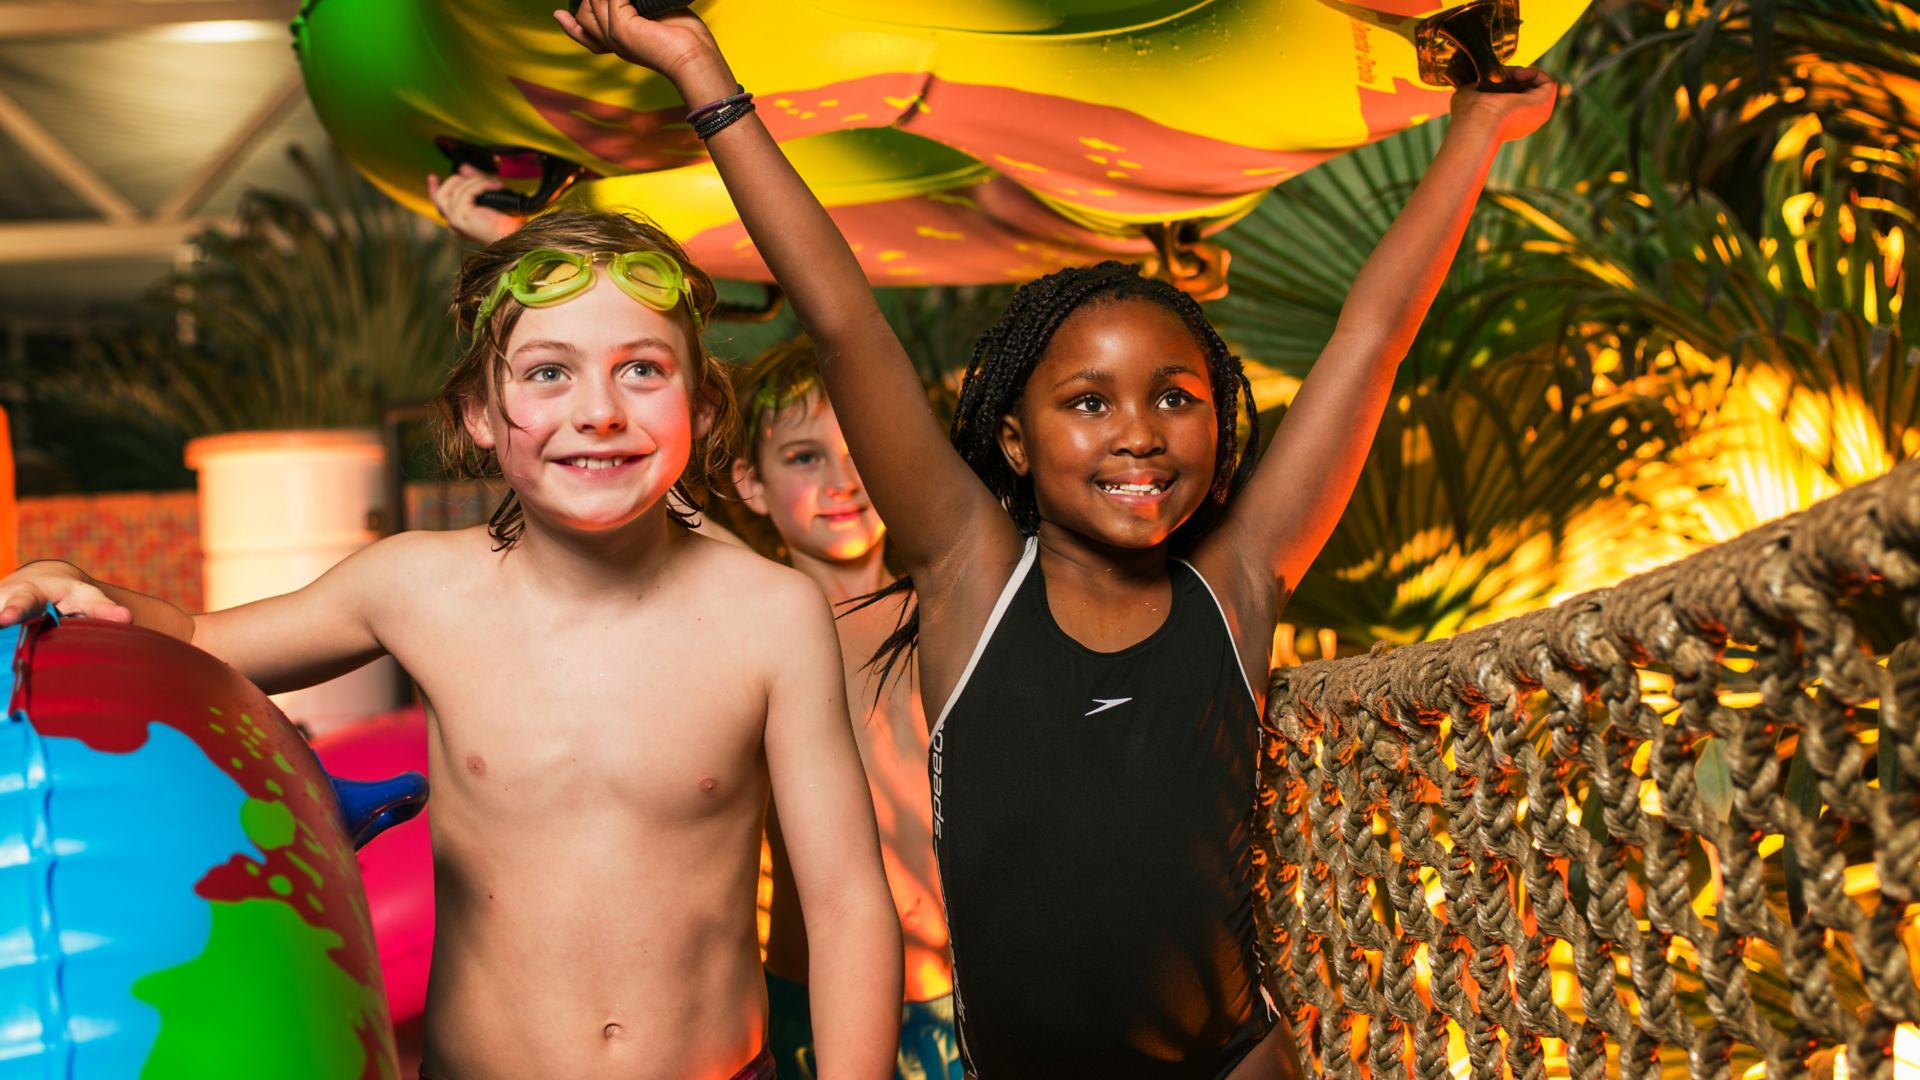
x: 938, y: 748
x: 1102, y: 704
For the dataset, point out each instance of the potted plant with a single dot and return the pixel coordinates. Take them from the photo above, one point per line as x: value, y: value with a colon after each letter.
x: 293, y: 331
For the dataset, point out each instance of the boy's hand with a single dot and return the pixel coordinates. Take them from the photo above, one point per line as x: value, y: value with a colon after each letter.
x: 1512, y: 114
x: 677, y: 45
x: 457, y: 199
x: 38, y: 586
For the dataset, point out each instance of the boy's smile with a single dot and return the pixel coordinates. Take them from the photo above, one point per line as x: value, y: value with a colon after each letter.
x: 597, y: 415
x: 1116, y: 427
x: 601, y: 463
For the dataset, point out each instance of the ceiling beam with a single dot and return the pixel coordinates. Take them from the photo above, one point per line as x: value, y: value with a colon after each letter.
x: 78, y: 241
x: 40, y: 144
x: 58, y: 18
x: 187, y: 199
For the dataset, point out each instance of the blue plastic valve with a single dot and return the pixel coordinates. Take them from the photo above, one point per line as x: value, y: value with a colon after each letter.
x: 371, y: 807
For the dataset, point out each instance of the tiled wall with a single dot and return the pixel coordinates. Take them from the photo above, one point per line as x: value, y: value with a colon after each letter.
x: 151, y: 541
x: 145, y: 541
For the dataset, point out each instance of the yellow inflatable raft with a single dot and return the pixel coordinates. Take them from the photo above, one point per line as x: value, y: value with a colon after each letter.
x: 955, y: 141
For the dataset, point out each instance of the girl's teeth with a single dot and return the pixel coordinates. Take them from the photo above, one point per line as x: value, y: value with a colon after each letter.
x: 596, y: 463
x: 1133, y: 489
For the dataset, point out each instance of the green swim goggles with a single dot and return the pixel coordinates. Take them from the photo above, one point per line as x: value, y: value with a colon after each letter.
x: 548, y: 276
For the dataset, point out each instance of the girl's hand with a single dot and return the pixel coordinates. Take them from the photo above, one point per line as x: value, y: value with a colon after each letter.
x: 457, y: 199
x: 677, y: 45
x: 1511, y: 114
x: 38, y: 586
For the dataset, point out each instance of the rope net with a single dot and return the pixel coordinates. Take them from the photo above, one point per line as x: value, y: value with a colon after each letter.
x: 1666, y: 828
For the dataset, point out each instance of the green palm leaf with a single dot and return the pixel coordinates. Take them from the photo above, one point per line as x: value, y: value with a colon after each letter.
x: 1481, y: 499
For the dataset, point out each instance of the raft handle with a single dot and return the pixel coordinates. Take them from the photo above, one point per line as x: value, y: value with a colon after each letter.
x: 652, y: 9
x: 1469, y: 45
x: 556, y: 175
x: 1185, y: 260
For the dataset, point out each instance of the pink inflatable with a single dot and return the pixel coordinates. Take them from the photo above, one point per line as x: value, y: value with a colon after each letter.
x: 398, y: 871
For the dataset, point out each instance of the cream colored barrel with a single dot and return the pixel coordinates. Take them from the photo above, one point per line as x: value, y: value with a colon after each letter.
x: 277, y: 510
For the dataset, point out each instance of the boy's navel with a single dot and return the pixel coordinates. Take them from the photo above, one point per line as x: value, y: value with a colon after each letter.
x: 612, y: 1031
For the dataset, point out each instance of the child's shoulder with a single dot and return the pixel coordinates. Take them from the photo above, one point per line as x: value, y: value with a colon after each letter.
x: 757, y: 598
x: 409, y: 550
x: 771, y: 616
x: 752, y: 584
x: 391, y: 563
x: 762, y: 598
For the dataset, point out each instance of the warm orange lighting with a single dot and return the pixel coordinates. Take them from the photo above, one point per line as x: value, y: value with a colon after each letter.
x: 1906, y: 1056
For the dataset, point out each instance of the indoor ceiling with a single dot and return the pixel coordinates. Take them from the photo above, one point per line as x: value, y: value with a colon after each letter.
x: 126, y: 127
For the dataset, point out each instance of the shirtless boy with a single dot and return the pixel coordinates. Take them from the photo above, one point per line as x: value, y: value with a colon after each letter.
x: 609, y: 697
x: 795, y: 470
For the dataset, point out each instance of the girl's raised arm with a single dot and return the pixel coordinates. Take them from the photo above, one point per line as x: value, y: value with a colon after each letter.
x: 932, y: 503
x: 1276, y: 527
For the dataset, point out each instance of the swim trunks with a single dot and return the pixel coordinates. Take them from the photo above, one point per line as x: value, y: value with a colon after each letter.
x: 929, y: 1049
x: 1094, y: 823
x: 760, y: 1068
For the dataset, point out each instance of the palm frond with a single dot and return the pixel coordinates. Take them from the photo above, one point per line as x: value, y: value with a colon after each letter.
x: 1297, y: 254
x: 1482, y: 499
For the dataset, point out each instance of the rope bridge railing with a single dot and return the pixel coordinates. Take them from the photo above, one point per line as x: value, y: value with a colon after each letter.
x: 1667, y: 828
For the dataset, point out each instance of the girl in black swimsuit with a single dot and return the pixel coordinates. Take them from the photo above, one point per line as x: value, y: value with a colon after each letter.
x: 1099, y: 567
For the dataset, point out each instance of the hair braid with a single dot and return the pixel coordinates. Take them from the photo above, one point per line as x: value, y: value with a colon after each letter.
x: 1004, y: 359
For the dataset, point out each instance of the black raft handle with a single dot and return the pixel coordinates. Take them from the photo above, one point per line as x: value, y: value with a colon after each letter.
x: 652, y: 9
x: 1469, y: 46
x: 556, y: 175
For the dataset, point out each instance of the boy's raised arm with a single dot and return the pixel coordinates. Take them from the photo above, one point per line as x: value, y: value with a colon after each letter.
x: 1277, y: 526
x: 826, y: 818
x: 932, y: 503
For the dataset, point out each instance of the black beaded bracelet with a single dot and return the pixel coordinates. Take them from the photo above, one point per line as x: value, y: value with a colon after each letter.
x: 715, y: 122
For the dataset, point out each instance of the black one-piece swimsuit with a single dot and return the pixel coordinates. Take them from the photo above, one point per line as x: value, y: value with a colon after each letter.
x: 1093, y: 820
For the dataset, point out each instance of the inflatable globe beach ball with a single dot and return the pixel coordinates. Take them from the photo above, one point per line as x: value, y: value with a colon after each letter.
x: 179, y: 894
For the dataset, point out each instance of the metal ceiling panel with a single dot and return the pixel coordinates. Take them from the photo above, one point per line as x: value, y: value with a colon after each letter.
x: 31, y: 193
x: 266, y: 165
x: 145, y: 109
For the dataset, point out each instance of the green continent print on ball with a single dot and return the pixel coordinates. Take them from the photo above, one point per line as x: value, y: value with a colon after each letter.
x: 179, y: 894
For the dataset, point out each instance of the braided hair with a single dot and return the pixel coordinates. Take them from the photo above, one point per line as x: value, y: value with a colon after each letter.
x: 1003, y: 361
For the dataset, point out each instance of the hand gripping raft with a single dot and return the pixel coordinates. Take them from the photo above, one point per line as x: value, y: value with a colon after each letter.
x: 176, y: 873
x: 954, y: 141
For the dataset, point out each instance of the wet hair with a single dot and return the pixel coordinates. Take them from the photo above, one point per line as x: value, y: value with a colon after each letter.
x: 1003, y: 361
x: 781, y: 376
x: 480, y: 372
